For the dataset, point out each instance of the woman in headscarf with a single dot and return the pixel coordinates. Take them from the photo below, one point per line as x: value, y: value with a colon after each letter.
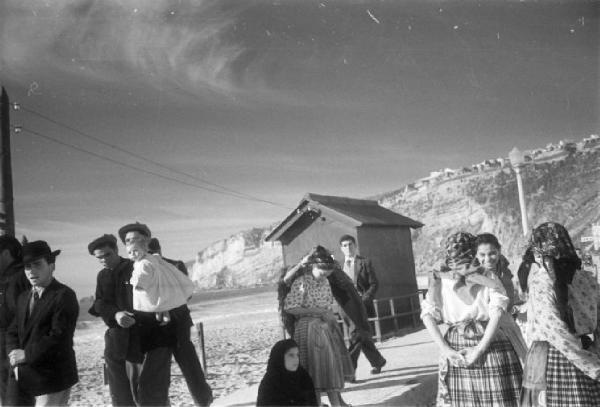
x: 563, y: 365
x: 286, y: 383
x: 488, y: 254
x: 309, y: 300
x: 478, y: 365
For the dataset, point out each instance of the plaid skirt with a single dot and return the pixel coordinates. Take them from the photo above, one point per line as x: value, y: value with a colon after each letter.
x: 322, y: 352
x: 494, y: 380
x: 565, y: 385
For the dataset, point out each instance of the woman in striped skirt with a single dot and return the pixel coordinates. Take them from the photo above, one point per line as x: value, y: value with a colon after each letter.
x: 562, y: 367
x: 478, y: 364
x: 322, y: 350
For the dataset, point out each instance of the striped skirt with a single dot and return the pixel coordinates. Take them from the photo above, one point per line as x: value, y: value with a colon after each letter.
x: 323, y: 352
x: 565, y: 385
x: 494, y: 380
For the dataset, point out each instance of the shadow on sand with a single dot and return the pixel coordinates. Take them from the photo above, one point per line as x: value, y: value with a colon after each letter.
x: 422, y: 395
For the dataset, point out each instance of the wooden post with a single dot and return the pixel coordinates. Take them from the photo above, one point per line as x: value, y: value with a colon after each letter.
x: 377, y: 323
x: 393, y: 312
x: 200, y: 329
x: 7, y: 215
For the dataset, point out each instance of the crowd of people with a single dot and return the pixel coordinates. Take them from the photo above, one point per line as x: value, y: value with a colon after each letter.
x: 141, y: 299
x: 485, y: 357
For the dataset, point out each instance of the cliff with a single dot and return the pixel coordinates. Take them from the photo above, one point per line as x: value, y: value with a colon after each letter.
x: 241, y: 260
x: 561, y: 183
x: 565, y: 190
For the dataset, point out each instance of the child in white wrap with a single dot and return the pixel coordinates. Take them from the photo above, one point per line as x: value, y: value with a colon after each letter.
x: 158, y: 286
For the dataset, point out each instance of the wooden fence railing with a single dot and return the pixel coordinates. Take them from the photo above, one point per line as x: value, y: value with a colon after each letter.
x: 386, y: 309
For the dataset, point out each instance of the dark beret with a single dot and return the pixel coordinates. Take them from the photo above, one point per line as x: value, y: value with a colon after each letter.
x: 104, y: 240
x: 134, y: 227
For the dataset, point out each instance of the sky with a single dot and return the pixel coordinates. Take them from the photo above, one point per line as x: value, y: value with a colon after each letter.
x: 270, y: 99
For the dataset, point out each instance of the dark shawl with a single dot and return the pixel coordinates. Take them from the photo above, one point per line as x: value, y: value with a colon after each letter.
x: 280, y: 387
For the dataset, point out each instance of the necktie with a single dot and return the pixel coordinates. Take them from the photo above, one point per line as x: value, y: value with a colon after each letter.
x: 34, y: 299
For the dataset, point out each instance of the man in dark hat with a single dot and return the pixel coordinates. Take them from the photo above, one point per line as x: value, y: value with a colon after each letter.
x: 113, y: 303
x: 40, y: 337
x: 185, y: 351
x: 12, y: 283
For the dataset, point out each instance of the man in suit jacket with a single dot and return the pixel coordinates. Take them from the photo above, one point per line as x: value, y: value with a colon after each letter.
x: 360, y: 270
x: 112, y: 302
x: 40, y: 337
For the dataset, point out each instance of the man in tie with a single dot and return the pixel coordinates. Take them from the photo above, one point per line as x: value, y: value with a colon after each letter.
x: 360, y: 270
x: 40, y: 337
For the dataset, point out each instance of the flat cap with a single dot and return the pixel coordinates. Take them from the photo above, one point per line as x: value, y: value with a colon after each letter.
x: 134, y: 227
x: 104, y: 240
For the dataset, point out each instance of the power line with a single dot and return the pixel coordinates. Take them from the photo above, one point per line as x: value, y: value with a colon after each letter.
x: 140, y: 157
x: 132, y: 167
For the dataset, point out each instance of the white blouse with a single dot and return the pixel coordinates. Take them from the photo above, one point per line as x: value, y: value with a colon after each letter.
x: 445, y: 305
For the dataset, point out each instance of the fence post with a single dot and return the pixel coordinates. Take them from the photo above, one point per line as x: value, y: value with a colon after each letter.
x: 393, y: 312
x: 377, y: 323
x: 200, y: 329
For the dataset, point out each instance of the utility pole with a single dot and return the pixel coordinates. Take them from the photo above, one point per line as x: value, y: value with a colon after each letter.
x: 7, y: 214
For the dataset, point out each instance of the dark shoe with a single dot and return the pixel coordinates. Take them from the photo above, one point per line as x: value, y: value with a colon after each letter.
x: 377, y: 369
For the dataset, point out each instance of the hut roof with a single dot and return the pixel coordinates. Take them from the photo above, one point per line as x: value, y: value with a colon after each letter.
x: 357, y: 212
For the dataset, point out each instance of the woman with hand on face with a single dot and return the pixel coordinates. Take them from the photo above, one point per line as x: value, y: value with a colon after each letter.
x: 563, y: 363
x: 309, y: 300
x: 286, y: 383
x: 489, y: 256
x: 478, y: 365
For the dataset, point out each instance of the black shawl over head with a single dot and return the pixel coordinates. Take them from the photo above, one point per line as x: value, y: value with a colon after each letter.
x: 279, y: 386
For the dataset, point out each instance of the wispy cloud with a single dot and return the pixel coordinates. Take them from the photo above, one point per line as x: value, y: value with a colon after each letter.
x: 160, y: 41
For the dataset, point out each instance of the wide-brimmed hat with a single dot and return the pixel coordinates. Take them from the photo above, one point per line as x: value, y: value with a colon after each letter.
x: 36, y: 250
x: 134, y: 227
x: 102, y: 241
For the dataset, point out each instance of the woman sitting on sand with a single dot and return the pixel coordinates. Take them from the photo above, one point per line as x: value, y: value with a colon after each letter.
x: 309, y: 300
x: 563, y: 364
x: 286, y: 383
x: 478, y: 365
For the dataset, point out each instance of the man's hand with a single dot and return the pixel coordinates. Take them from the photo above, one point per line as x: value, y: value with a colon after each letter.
x: 124, y: 319
x: 16, y: 356
x: 163, y: 317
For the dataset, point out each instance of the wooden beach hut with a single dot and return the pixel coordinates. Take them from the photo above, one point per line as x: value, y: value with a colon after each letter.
x: 382, y: 235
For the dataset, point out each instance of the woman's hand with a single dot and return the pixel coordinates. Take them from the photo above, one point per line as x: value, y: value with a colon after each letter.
x: 306, y: 259
x: 455, y: 358
x: 471, y: 355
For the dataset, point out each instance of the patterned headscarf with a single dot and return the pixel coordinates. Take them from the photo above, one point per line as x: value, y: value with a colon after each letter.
x: 460, y: 248
x: 552, y: 242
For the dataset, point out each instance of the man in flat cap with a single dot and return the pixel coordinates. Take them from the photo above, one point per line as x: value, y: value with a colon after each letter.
x: 113, y: 303
x: 185, y: 352
x: 40, y: 337
x: 12, y: 283
x: 152, y: 374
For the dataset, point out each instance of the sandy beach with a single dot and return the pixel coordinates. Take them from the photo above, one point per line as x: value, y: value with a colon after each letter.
x: 239, y: 332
